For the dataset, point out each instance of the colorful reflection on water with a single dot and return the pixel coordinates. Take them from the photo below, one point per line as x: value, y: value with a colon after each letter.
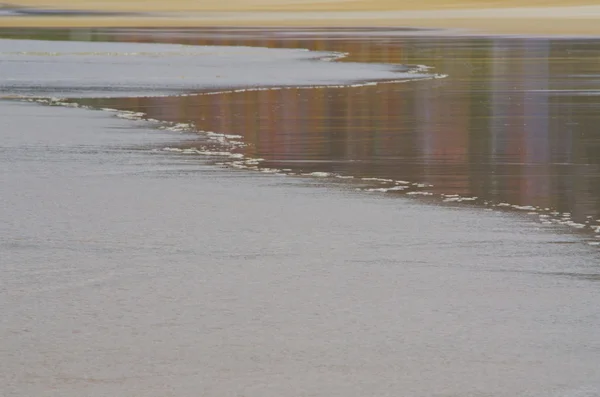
x: 515, y: 122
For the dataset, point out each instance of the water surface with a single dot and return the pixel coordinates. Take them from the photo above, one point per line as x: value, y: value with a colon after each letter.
x: 514, y: 123
x: 127, y: 269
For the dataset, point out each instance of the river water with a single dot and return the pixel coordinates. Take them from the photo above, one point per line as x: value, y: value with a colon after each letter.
x: 141, y: 257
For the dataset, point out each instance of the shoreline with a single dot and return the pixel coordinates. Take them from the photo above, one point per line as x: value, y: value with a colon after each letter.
x: 164, y: 253
x: 182, y: 274
x: 456, y: 27
x: 232, y: 160
x: 528, y: 19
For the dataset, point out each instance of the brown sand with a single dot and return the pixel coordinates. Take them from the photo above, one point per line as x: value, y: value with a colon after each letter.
x: 293, y: 5
x: 506, y: 16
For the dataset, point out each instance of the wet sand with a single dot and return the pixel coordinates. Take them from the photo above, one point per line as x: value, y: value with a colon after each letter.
x: 294, y: 5
x: 127, y: 270
x: 551, y: 26
x: 133, y: 264
x: 530, y: 17
x: 512, y: 127
x: 89, y: 69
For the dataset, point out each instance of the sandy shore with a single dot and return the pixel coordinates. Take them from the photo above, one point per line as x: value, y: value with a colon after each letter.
x: 292, y: 5
x: 531, y: 17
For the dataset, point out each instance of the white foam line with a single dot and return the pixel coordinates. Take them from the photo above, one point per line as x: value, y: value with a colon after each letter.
x: 524, y: 207
x: 131, y: 115
x: 382, y: 180
x: 319, y: 174
x: 387, y: 189
x: 545, y: 215
x: 217, y: 135
x: 335, y: 56
x: 243, y: 162
x: 419, y: 193
x: 305, y: 87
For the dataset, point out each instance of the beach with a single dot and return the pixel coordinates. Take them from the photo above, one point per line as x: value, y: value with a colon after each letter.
x: 509, y: 17
x: 312, y: 211
x: 135, y: 271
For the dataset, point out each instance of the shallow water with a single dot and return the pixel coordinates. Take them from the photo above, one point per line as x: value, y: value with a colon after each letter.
x: 514, y: 123
x: 127, y: 271
x: 131, y: 270
x: 63, y: 69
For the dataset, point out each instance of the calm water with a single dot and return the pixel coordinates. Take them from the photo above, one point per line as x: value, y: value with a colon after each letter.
x: 127, y: 269
x: 516, y: 122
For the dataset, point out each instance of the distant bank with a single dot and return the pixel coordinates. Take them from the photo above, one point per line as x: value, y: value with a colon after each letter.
x: 530, y: 17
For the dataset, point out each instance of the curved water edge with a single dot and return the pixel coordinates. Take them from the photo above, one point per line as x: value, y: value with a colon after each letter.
x: 72, y: 69
x: 227, y: 146
x: 137, y: 265
x: 225, y: 150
